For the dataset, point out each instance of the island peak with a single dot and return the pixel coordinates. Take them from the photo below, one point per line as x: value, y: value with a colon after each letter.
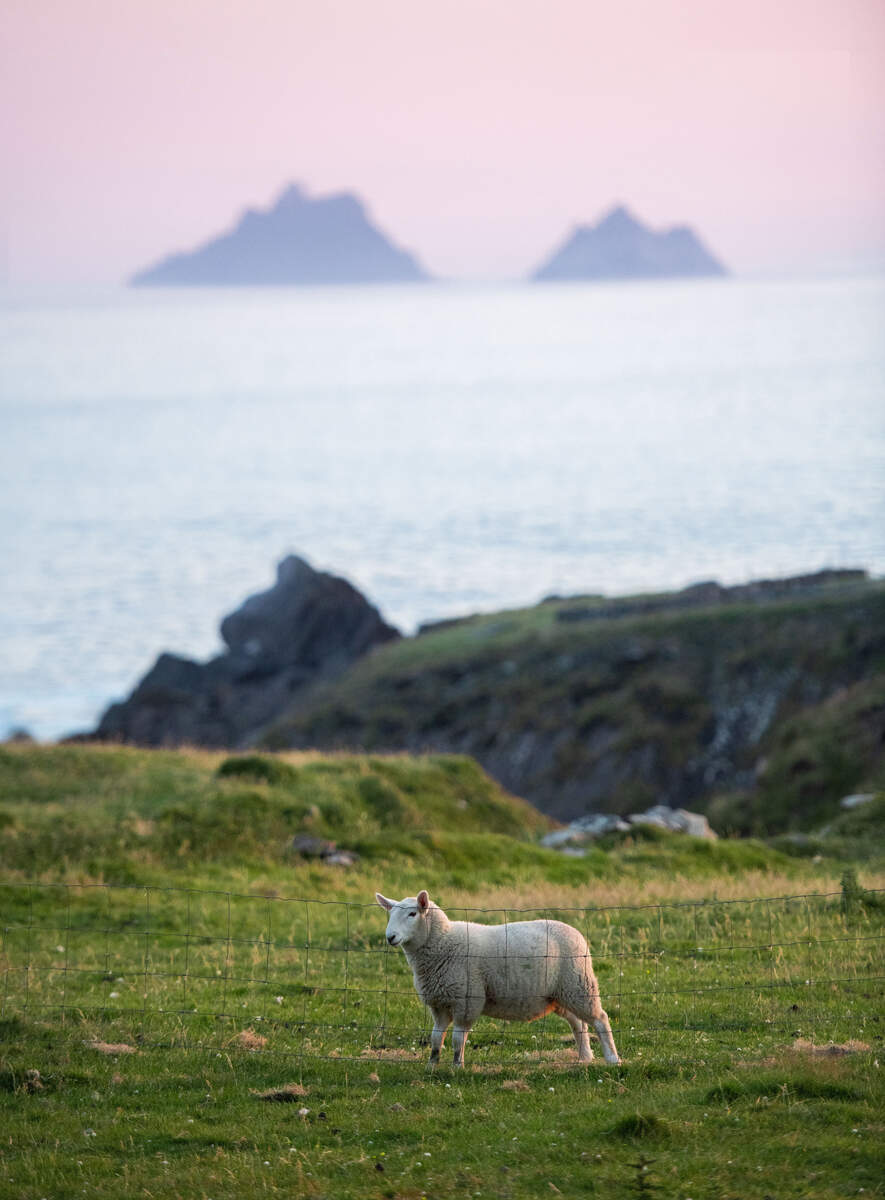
x: 299, y: 239
x: 618, y: 218
x: 619, y: 246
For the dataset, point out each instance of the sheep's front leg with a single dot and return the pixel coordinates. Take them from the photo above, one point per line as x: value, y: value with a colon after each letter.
x: 441, y: 1022
x: 459, y: 1041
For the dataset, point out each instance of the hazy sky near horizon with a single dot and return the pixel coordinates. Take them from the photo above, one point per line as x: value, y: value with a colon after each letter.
x: 478, y: 132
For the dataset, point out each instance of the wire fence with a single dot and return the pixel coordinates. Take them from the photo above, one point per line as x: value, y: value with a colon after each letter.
x: 313, y: 978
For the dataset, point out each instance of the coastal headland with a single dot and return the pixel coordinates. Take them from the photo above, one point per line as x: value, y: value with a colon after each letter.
x: 759, y: 705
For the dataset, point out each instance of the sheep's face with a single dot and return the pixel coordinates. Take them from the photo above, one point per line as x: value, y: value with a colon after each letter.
x: 406, y: 922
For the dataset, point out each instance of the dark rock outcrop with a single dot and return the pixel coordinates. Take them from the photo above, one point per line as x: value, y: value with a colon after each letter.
x: 309, y: 625
x: 19, y: 737
x: 620, y: 247
x: 307, y: 846
x: 299, y: 240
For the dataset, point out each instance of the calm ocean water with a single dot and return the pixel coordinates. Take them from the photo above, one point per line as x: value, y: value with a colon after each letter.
x: 446, y: 448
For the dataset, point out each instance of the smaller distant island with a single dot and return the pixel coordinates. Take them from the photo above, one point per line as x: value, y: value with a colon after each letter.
x: 299, y: 240
x: 620, y: 247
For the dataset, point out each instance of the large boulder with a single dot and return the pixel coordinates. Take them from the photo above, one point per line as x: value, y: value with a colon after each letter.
x: 596, y: 825
x: 677, y: 820
x: 309, y: 625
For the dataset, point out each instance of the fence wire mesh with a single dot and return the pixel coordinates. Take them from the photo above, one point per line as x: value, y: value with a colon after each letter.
x: 316, y: 979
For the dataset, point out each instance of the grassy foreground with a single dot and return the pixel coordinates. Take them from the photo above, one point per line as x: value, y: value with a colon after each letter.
x: 191, y: 1010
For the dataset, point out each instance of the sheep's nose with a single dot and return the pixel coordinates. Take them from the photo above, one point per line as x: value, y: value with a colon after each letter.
x: 391, y: 937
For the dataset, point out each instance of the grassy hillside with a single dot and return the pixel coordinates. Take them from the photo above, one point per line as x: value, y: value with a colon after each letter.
x: 190, y: 1009
x: 135, y: 816
x: 127, y: 814
x: 774, y: 709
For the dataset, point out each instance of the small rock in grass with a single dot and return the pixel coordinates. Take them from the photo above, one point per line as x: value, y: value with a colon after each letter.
x: 312, y: 847
x: 342, y: 858
x: 857, y: 800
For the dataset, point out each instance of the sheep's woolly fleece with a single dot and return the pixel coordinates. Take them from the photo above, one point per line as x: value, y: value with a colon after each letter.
x: 518, y: 971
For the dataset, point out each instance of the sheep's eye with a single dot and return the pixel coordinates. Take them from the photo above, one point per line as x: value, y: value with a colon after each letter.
x: 413, y: 914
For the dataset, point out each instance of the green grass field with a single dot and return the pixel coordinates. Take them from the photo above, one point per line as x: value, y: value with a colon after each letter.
x: 167, y: 962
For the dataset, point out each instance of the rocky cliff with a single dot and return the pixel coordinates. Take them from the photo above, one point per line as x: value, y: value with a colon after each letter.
x: 761, y: 705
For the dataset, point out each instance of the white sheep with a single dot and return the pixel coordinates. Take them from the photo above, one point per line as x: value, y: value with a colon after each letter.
x: 518, y: 971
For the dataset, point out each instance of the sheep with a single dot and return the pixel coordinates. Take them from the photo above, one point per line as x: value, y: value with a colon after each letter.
x: 518, y: 971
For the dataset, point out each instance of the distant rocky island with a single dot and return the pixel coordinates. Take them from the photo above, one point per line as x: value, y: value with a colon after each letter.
x: 299, y: 240
x: 307, y: 240
x: 620, y: 247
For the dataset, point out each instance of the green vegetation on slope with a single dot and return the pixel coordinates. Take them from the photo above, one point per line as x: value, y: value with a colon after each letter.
x: 813, y: 758
x: 118, y: 812
x: 127, y: 816
x: 773, y: 708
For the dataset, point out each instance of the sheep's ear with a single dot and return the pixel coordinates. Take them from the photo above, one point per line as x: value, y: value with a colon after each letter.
x: 423, y: 900
x: 384, y: 902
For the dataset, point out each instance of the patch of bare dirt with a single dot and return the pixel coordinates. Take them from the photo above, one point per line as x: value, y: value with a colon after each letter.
x: 248, y: 1039
x: 393, y: 1054
x: 112, y: 1047
x: 830, y: 1050
x: 284, y: 1095
x: 515, y: 1085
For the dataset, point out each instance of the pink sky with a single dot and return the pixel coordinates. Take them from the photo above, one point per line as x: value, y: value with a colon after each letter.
x: 477, y: 131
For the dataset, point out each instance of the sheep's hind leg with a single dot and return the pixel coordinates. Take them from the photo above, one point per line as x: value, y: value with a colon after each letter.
x: 441, y: 1023
x: 604, y: 1030
x: 459, y: 1041
x: 582, y: 1036
x: 593, y: 1011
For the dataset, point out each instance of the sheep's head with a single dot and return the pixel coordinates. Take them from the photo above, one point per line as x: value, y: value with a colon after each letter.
x: 407, y: 920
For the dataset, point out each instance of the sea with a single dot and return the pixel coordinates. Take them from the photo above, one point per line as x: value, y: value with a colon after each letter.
x: 447, y: 448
